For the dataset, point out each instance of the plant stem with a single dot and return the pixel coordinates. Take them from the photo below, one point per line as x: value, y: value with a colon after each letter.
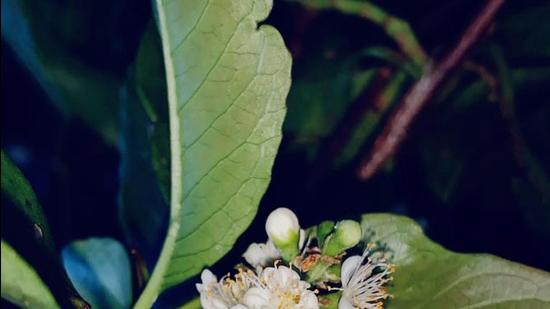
x: 396, y: 28
x: 155, y: 284
x: 395, y: 130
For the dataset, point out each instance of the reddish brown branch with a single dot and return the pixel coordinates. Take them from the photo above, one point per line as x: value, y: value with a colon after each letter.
x: 416, y: 98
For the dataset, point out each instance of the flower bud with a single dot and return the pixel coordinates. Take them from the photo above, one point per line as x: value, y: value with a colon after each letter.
x: 284, y: 231
x: 323, y: 230
x: 347, y: 234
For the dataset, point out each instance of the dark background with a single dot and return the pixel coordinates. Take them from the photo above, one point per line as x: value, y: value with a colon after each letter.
x: 458, y: 173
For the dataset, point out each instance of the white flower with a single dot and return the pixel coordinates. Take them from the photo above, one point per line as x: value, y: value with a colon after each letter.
x: 260, y: 255
x: 263, y: 254
x: 280, y: 288
x: 364, y: 284
x: 225, y: 294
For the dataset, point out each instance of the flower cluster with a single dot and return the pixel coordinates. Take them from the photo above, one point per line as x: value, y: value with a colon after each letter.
x: 303, y: 269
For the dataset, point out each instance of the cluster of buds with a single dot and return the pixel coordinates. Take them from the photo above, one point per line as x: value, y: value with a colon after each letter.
x: 304, y: 269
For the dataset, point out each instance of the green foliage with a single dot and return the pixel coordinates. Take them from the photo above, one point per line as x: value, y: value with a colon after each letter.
x: 145, y: 170
x: 150, y: 85
x: 18, y: 199
x: 38, y: 33
x: 199, y: 124
x: 21, y: 284
x: 18, y: 190
x: 194, y: 304
x: 100, y: 270
x: 226, y: 90
x: 429, y: 276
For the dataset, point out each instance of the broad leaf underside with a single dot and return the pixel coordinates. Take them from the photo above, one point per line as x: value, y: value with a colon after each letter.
x: 227, y: 84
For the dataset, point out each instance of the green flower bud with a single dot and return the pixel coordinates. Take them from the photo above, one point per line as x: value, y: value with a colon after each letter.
x: 323, y: 230
x: 347, y: 234
x: 283, y: 230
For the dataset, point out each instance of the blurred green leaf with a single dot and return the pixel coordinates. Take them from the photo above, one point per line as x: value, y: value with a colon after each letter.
x: 145, y: 151
x: 150, y: 81
x: 194, y: 304
x: 100, y: 270
x: 227, y: 83
x: 18, y: 190
x: 76, y: 88
x: 372, y: 119
x: 32, y: 232
x: 21, y: 284
x: 321, y: 93
x: 396, y: 28
x: 429, y: 276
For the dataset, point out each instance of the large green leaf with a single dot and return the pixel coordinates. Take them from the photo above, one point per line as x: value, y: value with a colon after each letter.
x: 20, y: 283
x: 429, y: 276
x: 227, y: 81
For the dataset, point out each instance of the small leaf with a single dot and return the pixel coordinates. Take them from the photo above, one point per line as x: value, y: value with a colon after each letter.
x: 18, y: 190
x: 100, y: 270
x: 21, y: 284
x: 227, y: 81
x: 24, y: 222
x: 429, y: 276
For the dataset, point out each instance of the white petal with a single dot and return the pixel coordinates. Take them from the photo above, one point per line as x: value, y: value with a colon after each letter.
x: 255, y: 255
x: 257, y: 298
x: 271, y: 250
x: 211, y: 302
x: 309, y: 300
x: 239, y: 306
x: 199, y: 287
x: 348, y: 267
x: 302, y: 239
x: 218, y: 304
x: 261, y: 254
x: 208, y: 277
x: 344, y: 303
x: 205, y: 301
x: 284, y: 276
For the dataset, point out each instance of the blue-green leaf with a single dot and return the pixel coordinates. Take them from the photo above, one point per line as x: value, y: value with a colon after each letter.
x: 100, y: 270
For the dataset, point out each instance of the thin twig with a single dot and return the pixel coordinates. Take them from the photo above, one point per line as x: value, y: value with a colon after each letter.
x: 395, y: 130
x: 396, y: 28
